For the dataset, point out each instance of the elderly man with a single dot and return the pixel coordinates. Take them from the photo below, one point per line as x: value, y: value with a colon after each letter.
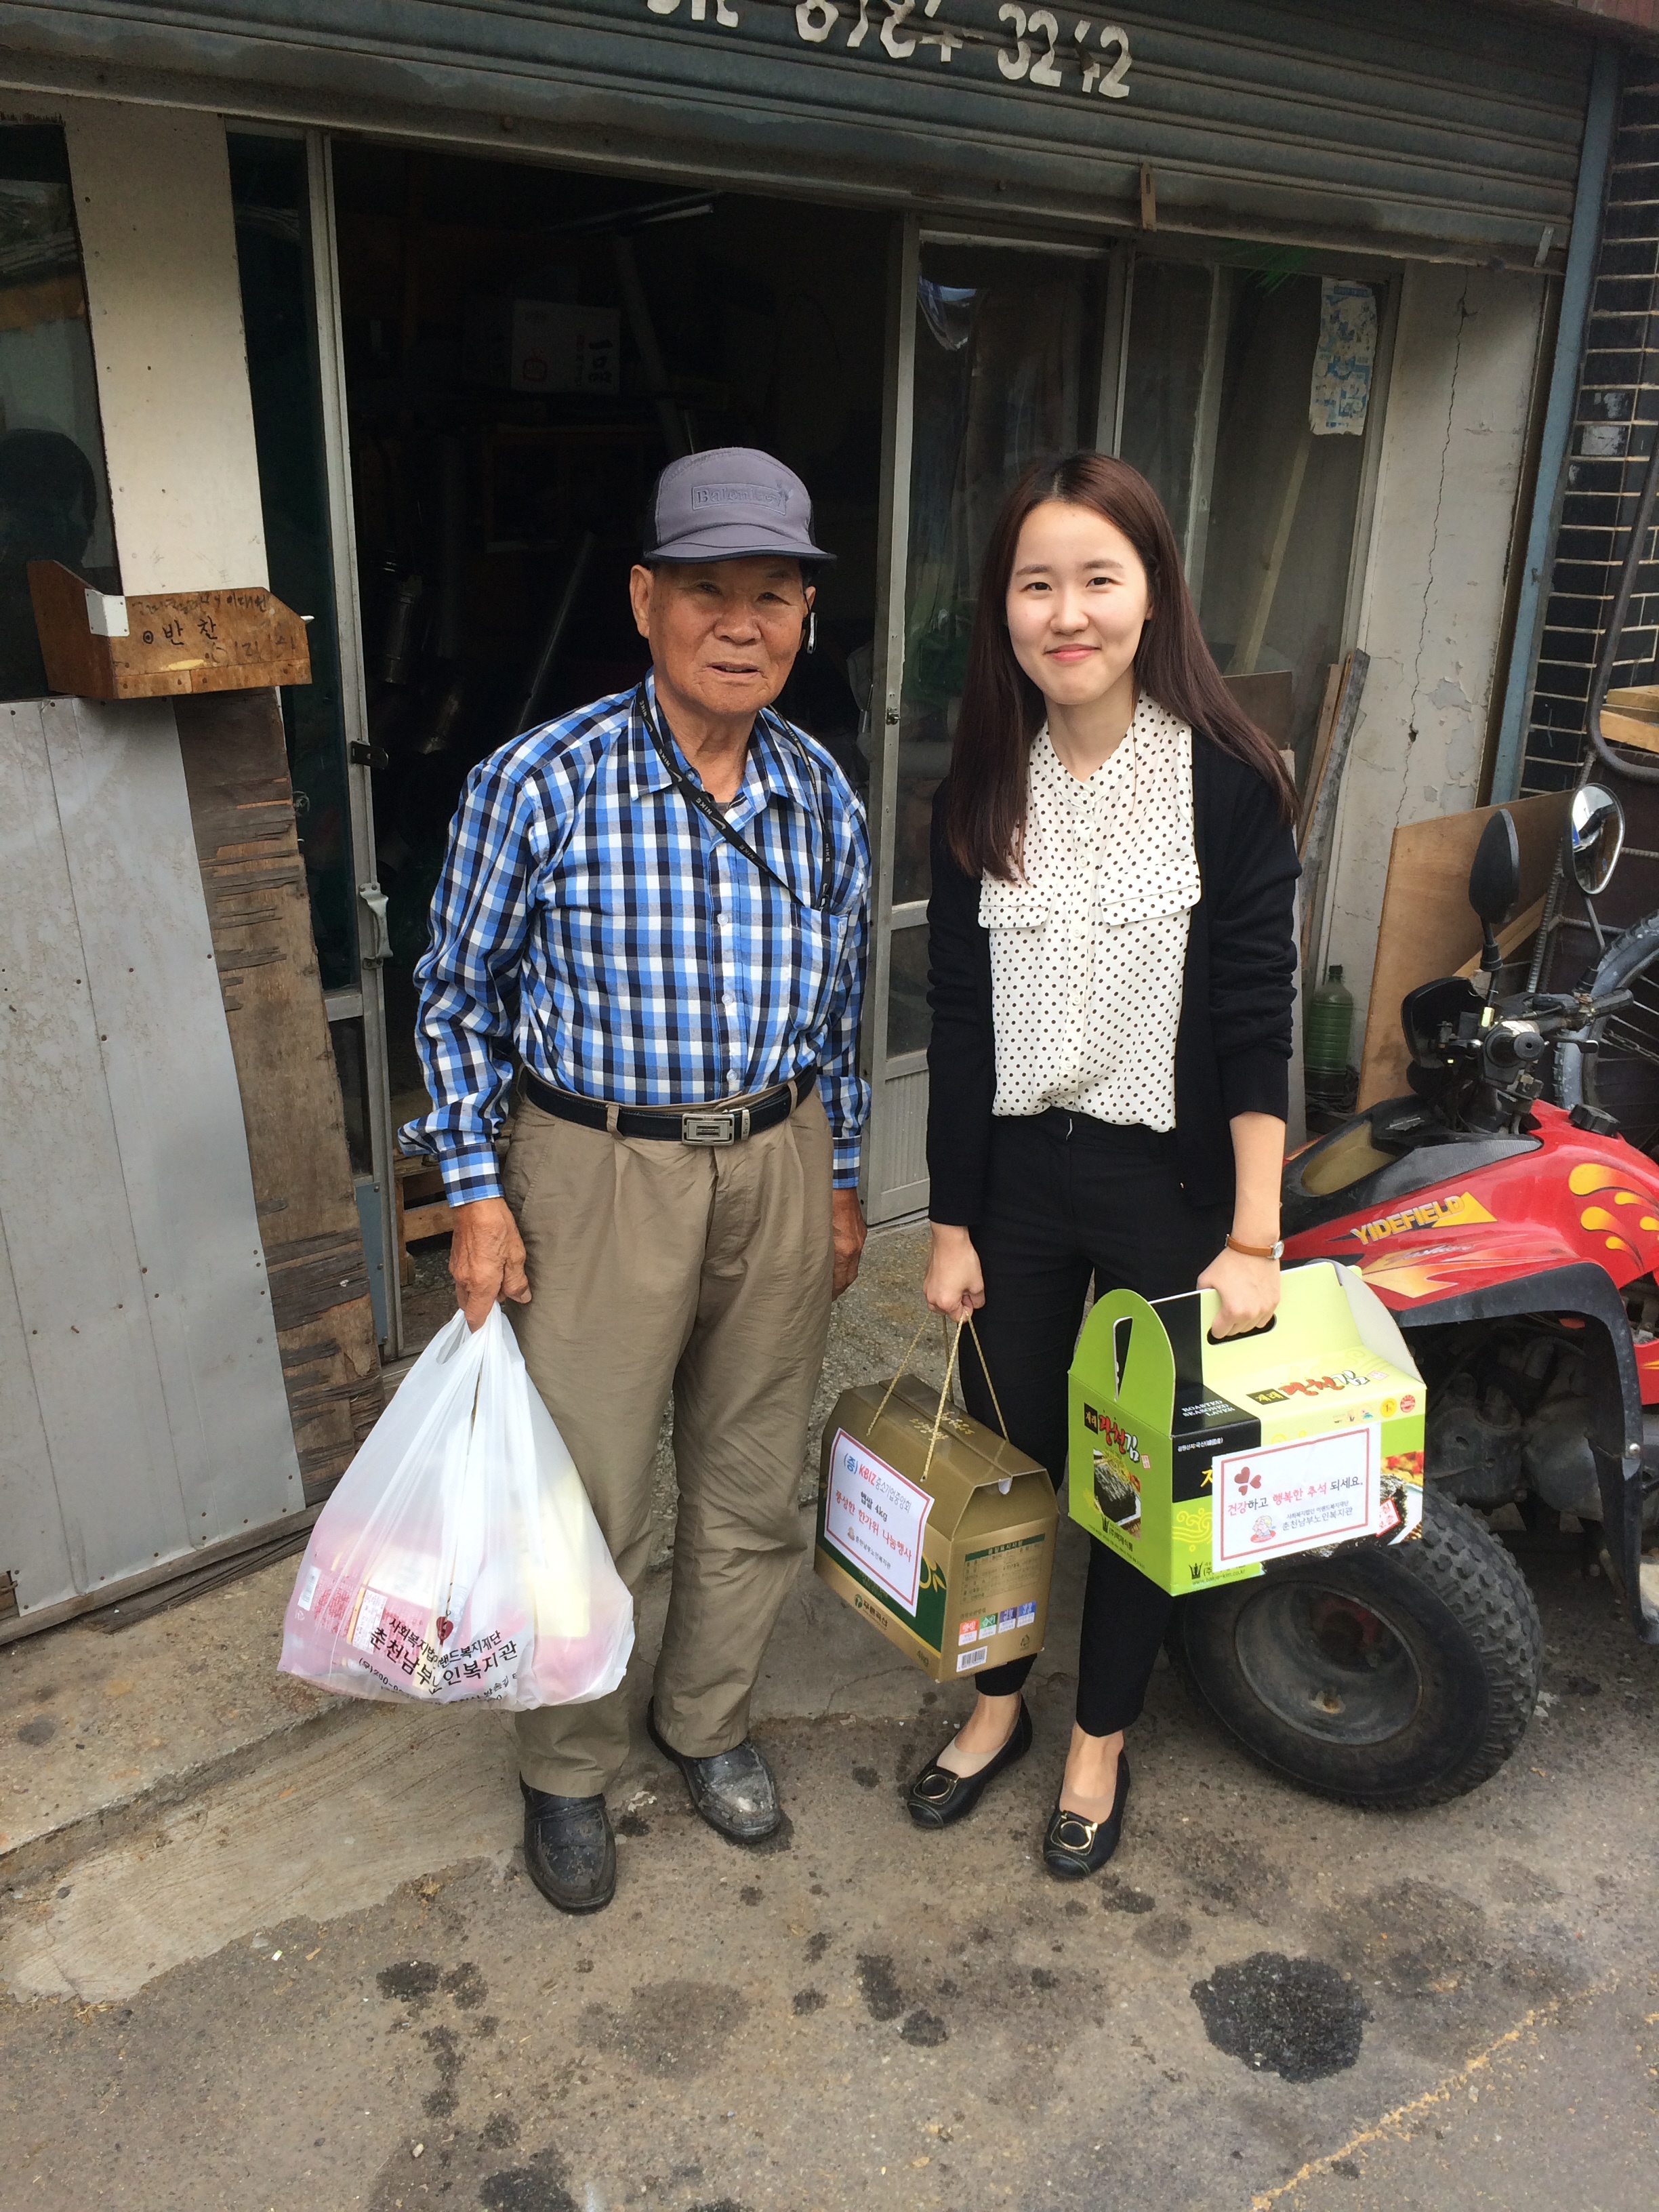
x: 661, y: 902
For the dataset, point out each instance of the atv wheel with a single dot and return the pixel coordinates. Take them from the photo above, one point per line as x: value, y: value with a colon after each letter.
x: 1387, y: 1675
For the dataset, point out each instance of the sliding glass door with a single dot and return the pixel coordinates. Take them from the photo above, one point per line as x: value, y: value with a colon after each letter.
x: 1244, y: 383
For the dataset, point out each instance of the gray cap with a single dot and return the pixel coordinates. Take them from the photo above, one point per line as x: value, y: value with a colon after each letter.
x: 732, y: 504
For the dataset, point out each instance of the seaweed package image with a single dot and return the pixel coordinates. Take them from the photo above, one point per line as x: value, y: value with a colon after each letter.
x: 1200, y: 1460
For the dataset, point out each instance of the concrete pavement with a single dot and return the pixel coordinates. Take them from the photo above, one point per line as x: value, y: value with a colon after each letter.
x: 318, y: 1977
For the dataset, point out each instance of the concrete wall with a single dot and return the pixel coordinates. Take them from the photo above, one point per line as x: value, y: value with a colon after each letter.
x: 152, y: 196
x: 1433, y: 601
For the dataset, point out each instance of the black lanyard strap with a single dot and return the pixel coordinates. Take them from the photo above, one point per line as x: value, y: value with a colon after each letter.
x: 695, y: 797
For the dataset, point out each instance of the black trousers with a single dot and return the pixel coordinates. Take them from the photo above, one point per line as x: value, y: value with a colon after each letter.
x: 1070, y: 1200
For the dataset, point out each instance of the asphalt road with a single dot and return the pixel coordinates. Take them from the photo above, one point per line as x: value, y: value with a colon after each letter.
x: 1269, y: 2002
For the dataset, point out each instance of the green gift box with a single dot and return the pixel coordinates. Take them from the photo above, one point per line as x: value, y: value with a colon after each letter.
x: 1199, y: 1462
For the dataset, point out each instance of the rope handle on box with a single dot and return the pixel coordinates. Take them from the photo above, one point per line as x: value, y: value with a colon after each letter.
x: 945, y: 1393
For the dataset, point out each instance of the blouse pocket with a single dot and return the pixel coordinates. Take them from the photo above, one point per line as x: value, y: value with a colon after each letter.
x: 1146, y: 889
x: 1148, y: 869
x: 1011, y: 906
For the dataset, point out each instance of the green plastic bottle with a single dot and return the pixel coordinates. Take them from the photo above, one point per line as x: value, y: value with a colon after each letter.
x: 1329, y: 1027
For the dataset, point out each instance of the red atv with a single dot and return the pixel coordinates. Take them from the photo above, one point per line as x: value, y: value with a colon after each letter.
x: 1514, y: 1242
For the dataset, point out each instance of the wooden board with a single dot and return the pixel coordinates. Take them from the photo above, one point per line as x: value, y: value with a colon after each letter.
x: 242, y: 807
x: 1269, y: 700
x: 1629, y: 730
x: 175, y: 642
x: 1428, y: 927
x: 1321, y: 751
x: 1319, y: 825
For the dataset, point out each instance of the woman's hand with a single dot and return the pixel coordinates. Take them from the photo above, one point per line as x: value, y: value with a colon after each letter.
x: 954, y: 1284
x: 1247, y: 1290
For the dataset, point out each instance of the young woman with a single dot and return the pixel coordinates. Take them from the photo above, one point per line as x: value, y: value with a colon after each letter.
x: 1112, y: 967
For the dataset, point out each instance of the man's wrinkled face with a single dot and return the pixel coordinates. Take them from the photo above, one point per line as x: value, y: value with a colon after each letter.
x: 723, y: 633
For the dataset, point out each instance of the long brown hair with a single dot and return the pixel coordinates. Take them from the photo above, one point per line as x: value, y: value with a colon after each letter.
x: 1002, y: 709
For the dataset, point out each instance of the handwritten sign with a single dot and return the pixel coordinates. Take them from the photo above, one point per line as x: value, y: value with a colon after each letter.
x: 1295, y: 1497
x: 874, y: 1517
x: 1044, y: 49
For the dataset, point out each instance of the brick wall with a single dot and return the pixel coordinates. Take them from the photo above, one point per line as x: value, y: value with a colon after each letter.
x: 1616, y: 420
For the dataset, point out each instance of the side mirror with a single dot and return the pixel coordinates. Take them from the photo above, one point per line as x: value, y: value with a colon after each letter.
x: 1495, y: 877
x: 1594, y: 837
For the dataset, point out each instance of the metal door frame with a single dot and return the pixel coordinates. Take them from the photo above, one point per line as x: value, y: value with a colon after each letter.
x: 367, y: 999
x: 884, y: 1199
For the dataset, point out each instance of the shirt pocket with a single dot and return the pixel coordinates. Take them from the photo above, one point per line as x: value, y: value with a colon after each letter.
x: 1149, y: 886
x: 1012, y: 906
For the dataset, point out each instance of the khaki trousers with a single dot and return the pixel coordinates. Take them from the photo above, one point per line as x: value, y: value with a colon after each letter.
x: 705, y: 1270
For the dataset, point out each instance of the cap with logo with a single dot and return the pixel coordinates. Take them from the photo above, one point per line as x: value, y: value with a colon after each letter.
x: 732, y: 504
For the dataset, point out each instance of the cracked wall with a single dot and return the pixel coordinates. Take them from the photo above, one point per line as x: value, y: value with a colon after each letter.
x: 1432, y: 604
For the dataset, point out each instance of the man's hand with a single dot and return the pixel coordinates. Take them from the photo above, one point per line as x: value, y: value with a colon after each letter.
x: 486, y: 1259
x: 846, y: 1219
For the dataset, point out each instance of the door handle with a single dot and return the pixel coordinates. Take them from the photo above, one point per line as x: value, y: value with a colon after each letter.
x: 377, y: 947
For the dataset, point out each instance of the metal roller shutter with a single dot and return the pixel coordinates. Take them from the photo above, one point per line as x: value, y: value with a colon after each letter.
x: 1422, y: 130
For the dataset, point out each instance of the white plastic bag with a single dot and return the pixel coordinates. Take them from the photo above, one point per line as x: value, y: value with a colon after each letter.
x: 458, y: 1557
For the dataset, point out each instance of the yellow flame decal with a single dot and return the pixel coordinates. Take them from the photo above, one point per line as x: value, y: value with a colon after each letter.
x: 1597, y: 1217
x: 1648, y: 1221
x: 1618, y: 1244
x: 1626, y: 1198
x: 1588, y: 1177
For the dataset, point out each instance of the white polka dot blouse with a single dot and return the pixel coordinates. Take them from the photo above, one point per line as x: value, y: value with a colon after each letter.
x: 1087, y: 947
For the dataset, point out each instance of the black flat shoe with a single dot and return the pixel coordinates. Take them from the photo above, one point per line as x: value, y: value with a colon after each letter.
x: 569, y: 1852
x: 734, y: 1790
x: 937, y: 1796
x: 1074, y: 1847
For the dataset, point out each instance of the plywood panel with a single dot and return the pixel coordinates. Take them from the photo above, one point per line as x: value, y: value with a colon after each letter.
x: 242, y: 810
x: 124, y: 815
x: 1428, y: 927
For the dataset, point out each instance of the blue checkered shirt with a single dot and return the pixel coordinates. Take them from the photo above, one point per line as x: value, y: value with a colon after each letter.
x: 590, y: 918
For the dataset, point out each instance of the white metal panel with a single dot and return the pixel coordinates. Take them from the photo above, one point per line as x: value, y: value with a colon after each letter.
x: 152, y: 198
x: 143, y: 1336
x: 33, y: 1549
x: 62, y: 1200
x: 899, y: 1134
x: 124, y: 811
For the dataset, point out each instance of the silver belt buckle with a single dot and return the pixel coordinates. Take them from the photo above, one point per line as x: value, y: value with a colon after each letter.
x: 722, y: 1128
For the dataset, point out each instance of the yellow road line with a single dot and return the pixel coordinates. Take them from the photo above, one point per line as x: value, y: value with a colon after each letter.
x: 1392, y: 2123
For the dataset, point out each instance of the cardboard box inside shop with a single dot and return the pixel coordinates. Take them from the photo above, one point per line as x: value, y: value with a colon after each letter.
x: 542, y: 346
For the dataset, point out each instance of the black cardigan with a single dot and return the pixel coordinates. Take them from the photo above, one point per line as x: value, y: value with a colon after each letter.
x: 1233, y: 1042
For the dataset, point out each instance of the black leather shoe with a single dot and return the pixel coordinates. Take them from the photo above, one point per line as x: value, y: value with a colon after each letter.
x: 1074, y: 1847
x: 569, y: 1852
x: 734, y: 1790
x: 937, y: 1796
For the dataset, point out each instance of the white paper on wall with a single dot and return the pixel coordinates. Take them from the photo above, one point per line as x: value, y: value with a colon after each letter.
x: 1341, y: 387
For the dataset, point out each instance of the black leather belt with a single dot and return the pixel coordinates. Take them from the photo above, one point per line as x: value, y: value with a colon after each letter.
x: 702, y: 1124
